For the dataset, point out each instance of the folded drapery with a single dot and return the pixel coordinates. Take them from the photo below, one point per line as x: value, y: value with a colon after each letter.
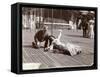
x: 73, y: 49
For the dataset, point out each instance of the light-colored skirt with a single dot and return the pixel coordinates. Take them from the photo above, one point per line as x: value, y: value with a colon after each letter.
x: 73, y: 49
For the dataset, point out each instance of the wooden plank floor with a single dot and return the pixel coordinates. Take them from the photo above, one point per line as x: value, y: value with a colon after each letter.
x: 49, y: 59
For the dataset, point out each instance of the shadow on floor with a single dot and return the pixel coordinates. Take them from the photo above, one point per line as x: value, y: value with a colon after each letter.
x: 30, y: 46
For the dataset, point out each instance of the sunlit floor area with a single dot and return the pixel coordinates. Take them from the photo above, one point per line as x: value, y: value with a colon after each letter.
x: 38, y: 59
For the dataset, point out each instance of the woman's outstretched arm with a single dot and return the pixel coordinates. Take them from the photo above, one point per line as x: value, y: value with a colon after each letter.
x: 59, y: 36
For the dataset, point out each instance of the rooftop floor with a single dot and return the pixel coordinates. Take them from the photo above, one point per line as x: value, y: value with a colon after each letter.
x: 52, y: 60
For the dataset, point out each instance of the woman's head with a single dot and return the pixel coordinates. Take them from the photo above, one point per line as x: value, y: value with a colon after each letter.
x: 51, y: 37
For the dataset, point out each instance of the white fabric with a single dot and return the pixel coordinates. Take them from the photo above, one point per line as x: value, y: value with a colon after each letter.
x: 73, y: 48
x: 30, y: 66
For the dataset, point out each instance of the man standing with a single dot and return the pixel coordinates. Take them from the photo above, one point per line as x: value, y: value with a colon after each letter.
x: 84, y: 25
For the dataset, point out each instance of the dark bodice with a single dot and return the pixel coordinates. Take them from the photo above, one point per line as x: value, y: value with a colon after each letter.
x: 41, y: 35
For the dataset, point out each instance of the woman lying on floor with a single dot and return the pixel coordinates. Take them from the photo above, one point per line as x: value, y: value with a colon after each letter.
x: 58, y: 47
